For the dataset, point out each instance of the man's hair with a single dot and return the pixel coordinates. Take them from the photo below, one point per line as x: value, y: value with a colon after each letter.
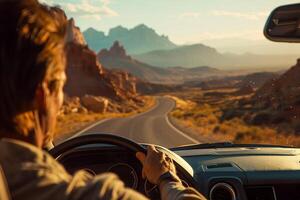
x: 31, y: 52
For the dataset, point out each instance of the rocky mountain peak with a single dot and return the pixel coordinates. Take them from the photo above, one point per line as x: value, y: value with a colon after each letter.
x: 91, y: 32
x: 74, y: 34
x: 143, y: 27
x: 139, y: 39
x: 116, y: 51
x: 117, y: 31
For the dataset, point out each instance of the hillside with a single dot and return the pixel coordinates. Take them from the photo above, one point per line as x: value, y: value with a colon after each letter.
x: 282, y: 94
x: 139, y: 39
x: 276, y: 104
x: 117, y: 58
x: 249, y: 81
x: 257, y: 80
x: 202, y: 55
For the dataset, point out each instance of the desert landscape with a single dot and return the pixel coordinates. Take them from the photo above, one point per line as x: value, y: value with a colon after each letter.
x: 116, y: 76
x: 239, y: 113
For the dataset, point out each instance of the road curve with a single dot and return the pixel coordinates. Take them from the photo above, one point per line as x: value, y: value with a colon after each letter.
x: 152, y: 126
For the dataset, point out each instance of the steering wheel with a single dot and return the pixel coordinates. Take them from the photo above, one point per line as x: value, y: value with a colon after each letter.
x: 96, y: 139
x: 113, y: 140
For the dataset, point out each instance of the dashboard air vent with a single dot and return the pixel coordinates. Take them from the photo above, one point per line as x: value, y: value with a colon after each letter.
x: 219, y: 165
x: 222, y: 191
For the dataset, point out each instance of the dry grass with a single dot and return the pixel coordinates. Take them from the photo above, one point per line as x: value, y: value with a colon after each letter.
x: 207, y: 117
x: 67, y: 125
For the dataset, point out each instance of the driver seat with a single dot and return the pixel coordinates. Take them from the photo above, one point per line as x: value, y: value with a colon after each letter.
x: 4, y: 194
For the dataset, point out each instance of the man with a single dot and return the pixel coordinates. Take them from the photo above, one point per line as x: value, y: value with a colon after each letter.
x: 3, y: 187
x: 32, y: 64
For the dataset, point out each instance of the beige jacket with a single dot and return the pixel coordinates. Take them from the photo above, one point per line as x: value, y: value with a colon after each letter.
x: 4, y: 195
x: 33, y: 174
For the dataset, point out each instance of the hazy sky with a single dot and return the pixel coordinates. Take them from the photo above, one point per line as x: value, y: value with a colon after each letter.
x: 229, y: 25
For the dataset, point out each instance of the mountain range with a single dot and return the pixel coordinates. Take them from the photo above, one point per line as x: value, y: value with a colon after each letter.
x: 147, y: 46
x: 117, y: 58
x: 139, y: 39
x: 202, y: 55
x: 88, y: 78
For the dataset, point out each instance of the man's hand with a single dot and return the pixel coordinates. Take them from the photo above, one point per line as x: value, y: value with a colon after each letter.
x: 155, y: 164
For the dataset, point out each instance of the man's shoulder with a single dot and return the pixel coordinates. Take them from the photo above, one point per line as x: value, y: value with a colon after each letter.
x: 19, y: 150
x: 16, y: 155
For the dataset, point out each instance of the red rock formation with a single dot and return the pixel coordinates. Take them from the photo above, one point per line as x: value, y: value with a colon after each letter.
x: 85, y: 75
x: 123, y: 80
x: 73, y: 34
x: 117, y: 51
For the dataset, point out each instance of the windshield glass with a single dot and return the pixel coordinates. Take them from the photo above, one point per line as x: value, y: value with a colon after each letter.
x: 178, y: 72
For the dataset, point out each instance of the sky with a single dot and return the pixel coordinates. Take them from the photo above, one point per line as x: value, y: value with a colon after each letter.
x: 234, y: 26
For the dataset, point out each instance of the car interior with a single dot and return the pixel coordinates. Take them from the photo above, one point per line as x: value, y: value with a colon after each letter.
x: 220, y: 171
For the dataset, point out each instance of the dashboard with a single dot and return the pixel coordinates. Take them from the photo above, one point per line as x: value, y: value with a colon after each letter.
x: 219, y: 173
x: 246, y: 173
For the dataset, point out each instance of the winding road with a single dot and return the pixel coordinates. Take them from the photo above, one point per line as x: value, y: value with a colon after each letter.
x: 152, y: 126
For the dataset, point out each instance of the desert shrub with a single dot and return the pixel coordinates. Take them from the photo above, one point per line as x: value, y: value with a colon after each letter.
x: 248, y: 136
x: 261, y: 118
x: 188, y: 114
x: 207, y: 120
x: 277, y: 119
x: 225, y: 128
x: 212, y: 119
x: 240, y: 136
x: 216, y: 129
x: 247, y: 117
x: 177, y: 113
x: 230, y: 114
x: 200, y: 115
x: 245, y: 102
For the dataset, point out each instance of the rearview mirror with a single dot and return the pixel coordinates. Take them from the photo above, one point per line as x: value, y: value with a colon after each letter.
x: 283, y: 24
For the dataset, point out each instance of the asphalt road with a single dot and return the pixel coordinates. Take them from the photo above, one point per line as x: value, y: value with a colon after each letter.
x: 152, y: 126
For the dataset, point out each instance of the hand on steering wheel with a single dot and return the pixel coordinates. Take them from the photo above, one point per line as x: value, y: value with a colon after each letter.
x: 155, y: 164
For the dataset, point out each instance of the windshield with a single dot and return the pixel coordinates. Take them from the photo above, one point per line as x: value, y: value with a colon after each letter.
x: 176, y: 72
